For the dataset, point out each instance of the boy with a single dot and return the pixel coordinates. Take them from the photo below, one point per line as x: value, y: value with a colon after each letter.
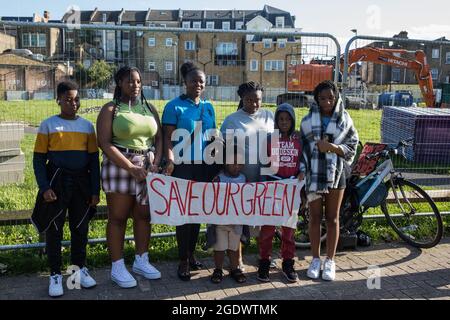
x: 285, y: 163
x: 66, y: 167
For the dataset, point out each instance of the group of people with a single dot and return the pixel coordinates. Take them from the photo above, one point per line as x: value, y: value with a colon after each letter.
x: 135, y: 142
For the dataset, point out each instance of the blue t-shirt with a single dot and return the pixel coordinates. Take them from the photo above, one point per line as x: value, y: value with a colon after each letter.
x: 183, y: 113
x: 325, y: 122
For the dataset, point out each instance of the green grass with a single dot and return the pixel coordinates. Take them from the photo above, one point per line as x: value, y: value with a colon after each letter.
x: 21, y: 196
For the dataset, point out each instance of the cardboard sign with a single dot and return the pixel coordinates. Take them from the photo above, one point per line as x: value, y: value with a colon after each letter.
x: 176, y: 202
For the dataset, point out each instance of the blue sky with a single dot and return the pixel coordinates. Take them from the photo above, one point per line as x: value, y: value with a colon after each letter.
x: 422, y: 19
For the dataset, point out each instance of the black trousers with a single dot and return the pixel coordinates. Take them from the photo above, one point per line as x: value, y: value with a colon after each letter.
x: 187, y: 234
x: 77, y: 208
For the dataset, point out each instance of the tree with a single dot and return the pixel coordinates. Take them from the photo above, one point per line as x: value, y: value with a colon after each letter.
x: 100, y: 74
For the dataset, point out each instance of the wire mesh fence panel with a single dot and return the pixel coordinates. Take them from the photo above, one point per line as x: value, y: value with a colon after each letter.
x: 90, y: 55
x: 404, y: 79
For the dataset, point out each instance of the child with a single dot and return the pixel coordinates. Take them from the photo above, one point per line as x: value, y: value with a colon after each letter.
x: 285, y: 161
x: 66, y: 167
x: 329, y: 141
x: 228, y: 237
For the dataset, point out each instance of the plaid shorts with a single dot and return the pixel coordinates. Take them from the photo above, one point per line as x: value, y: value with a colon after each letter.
x: 118, y: 180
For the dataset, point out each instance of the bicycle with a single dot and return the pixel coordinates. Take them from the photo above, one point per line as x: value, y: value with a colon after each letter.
x: 409, y: 210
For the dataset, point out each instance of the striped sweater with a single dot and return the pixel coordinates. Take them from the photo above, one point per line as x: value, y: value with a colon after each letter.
x: 67, y: 144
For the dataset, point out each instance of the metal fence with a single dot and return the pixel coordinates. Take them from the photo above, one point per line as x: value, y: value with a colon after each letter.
x: 90, y: 54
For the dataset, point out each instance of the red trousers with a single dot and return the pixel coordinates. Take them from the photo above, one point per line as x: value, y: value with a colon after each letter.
x: 287, y: 242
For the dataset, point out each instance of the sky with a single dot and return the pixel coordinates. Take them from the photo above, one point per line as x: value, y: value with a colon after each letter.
x: 422, y: 19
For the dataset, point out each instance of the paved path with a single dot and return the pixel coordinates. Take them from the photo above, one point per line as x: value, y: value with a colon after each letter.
x: 406, y: 273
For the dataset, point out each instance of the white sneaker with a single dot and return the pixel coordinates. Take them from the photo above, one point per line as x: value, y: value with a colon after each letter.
x: 329, y: 270
x: 55, y: 288
x: 314, y: 268
x: 86, y: 281
x: 121, y: 276
x: 142, y: 267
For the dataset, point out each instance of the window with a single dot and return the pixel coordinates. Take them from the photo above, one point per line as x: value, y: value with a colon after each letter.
x: 239, y: 25
x: 189, y: 45
x: 279, y: 22
x: 210, y: 25
x: 274, y: 65
x: 151, y: 42
x: 282, y: 43
x: 34, y: 40
x: 26, y: 40
x: 254, y: 65
x: 186, y: 24
x: 447, y: 58
x: 212, y: 80
x: 294, y: 62
x: 434, y: 74
x: 126, y: 45
x: 154, y: 83
x: 396, y: 74
x: 197, y: 25
x: 163, y: 25
x: 169, y: 42
x: 42, y: 40
x: 151, y: 66
x: 267, y: 43
x: 226, y: 48
x: 139, y: 33
x: 226, y: 25
x: 169, y: 65
x: 435, y: 54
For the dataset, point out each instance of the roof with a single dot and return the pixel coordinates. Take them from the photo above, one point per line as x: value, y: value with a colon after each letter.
x: 273, y: 10
x: 134, y: 16
x: 20, y: 19
x: 111, y: 16
x: 163, y: 15
x: 15, y: 60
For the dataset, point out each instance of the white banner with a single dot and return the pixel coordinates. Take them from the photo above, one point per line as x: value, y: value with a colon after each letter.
x: 176, y: 202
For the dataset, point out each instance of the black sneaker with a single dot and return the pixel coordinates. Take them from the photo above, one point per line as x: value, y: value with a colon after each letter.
x: 288, y: 270
x: 263, y: 270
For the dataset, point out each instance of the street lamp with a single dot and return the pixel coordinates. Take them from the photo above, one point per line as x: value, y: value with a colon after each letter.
x: 355, y: 31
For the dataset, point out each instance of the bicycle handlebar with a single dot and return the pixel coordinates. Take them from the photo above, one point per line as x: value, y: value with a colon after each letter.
x: 399, y: 149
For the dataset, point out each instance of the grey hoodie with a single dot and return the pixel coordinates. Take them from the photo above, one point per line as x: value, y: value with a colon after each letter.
x: 289, y: 109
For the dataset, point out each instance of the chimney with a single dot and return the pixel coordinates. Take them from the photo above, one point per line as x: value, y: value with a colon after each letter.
x: 46, y: 16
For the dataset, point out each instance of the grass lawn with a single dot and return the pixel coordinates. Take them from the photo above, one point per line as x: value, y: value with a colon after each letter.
x: 22, y: 196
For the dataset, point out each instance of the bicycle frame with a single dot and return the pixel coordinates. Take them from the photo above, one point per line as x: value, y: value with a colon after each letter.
x: 383, y: 170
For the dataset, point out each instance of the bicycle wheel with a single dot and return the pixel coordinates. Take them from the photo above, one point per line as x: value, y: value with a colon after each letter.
x: 412, y: 214
x: 301, y: 235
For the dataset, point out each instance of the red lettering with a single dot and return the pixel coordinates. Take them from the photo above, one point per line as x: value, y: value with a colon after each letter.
x: 252, y: 201
x: 258, y: 196
x: 174, y: 194
x: 275, y: 199
x: 285, y: 199
x: 191, y: 189
x: 220, y: 187
x: 238, y: 189
x: 267, y: 184
x: 213, y: 200
x: 152, y: 187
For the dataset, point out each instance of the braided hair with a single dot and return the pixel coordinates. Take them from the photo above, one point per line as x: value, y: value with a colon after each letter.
x: 123, y: 72
x: 325, y: 85
x: 246, y: 88
x: 187, y: 68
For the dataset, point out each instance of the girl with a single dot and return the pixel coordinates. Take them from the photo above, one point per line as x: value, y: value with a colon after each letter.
x: 128, y: 128
x: 329, y: 141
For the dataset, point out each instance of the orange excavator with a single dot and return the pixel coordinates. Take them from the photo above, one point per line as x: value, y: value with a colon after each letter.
x: 387, y: 57
x: 303, y: 78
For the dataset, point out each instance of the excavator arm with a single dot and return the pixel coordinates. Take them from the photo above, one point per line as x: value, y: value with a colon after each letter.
x: 387, y: 57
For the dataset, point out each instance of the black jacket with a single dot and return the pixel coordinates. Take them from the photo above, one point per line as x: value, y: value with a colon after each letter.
x: 66, y: 184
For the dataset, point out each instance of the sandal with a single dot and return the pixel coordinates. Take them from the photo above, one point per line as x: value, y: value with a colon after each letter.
x: 195, y: 265
x: 217, y: 276
x: 238, y: 275
x: 184, y: 272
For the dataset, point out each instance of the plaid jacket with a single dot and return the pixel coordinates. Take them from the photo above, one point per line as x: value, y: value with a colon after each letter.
x: 323, y: 170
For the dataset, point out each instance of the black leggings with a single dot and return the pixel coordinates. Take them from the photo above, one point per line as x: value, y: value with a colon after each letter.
x: 187, y: 234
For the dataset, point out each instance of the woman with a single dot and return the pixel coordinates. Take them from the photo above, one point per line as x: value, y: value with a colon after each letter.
x: 252, y: 123
x: 128, y: 128
x: 188, y: 112
x: 329, y: 141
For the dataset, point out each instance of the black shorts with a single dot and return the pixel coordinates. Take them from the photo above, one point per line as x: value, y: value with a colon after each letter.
x: 342, y: 182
